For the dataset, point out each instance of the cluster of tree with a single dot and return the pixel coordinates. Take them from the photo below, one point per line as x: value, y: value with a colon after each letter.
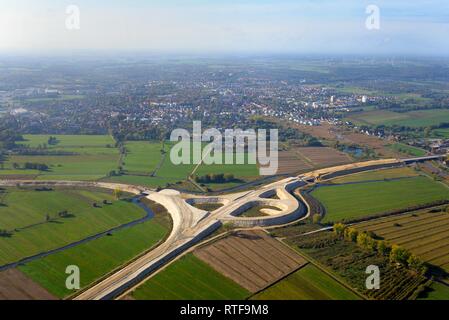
x: 366, y: 240
x: 114, y: 173
x: 52, y: 141
x: 31, y: 166
x: 8, y: 138
x: 64, y: 214
x: 316, y: 218
x: 215, y: 178
x: 4, y: 233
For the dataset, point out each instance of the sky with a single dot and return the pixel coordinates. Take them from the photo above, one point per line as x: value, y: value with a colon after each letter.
x: 247, y: 26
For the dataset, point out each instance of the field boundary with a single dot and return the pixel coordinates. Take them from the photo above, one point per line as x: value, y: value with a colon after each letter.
x: 282, y: 278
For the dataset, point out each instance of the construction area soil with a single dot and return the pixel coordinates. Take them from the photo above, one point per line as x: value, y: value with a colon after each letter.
x: 252, y: 259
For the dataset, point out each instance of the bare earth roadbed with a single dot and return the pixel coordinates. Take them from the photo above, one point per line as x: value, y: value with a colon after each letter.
x: 14, y: 285
x: 252, y: 259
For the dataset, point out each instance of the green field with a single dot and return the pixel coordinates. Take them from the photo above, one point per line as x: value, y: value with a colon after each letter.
x: 189, y: 279
x: 238, y: 170
x: 308, y: 283
x: 91, y: 158
x: 420, y: 118
x: 437, y: 291
x: 378, y: 175
x: 362, y: 199
x: 170, y: 171
x: 98, y: 257
x: 440, y: 133
x: 145, y: 158
x: 408, y: 150
x: 23, y: 212
x: 142, y: 156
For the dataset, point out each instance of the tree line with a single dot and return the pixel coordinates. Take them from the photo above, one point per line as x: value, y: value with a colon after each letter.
x: 368, y: 241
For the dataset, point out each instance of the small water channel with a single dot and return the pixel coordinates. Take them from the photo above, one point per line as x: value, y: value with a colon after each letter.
x: 149, y: 214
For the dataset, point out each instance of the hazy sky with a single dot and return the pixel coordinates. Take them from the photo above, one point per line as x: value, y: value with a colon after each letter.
x: 278, y: 26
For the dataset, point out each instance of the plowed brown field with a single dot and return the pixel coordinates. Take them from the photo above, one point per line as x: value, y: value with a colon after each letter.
x: 14, y: 285
x: 251, y: 258
x: 323, y: 157
x: 290, y: 162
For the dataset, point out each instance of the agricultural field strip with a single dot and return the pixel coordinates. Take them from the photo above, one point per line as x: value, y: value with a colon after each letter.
x: 430, y: 239
x: 242, y: 275
x: 308, y: 282
x: 436, y: 253
x: 398, y: 231
x: 253, y: 255
x: 417, y: 226
x: 260, y: 270
x: 199, y: 281
x: 244, y: 256
x: 287, y: 260
x: 373, y: 225
x: 187, y: 282
x: 290, y: 161
x: 363, y: 182
x: 434, y: 248
x: 305, y: 159
x: 418, y: 234
x: 259, y: 274
x: 404, y: 237
x: 376, y: 174
x: 444, y: 264
x: 421, y: 190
